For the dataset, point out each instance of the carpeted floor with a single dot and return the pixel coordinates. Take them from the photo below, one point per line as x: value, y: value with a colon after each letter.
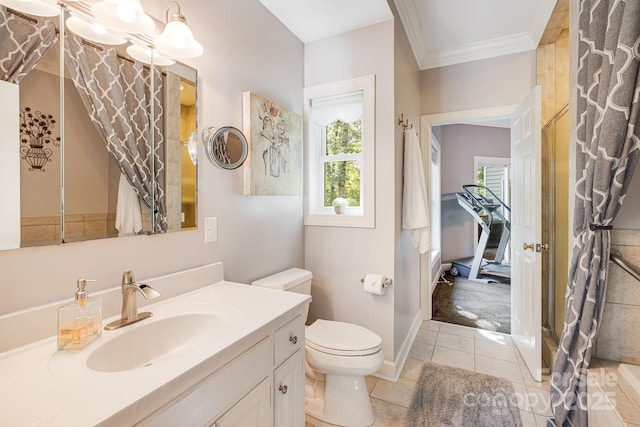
x: 478, y: 305
x: 448, y: 397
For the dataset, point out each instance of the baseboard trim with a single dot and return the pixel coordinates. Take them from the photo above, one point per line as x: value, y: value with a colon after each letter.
x: 437, y: 278
x: 391, y: 371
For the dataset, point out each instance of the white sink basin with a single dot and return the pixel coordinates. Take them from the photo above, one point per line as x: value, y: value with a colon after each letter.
x: 148, y: 343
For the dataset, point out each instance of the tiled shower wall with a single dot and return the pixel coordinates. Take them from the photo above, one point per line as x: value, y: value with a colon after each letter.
x: 553, y: 75
x: 46, y: 229
x: 618, y: 338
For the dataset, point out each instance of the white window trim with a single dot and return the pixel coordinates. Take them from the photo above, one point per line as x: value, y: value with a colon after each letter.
x: 435, y: 199
x: 314, y: 211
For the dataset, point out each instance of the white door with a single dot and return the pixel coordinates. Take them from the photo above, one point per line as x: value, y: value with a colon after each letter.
x: 526, y: 232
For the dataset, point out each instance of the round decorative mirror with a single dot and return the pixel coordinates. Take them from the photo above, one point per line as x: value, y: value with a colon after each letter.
x: 225, y: 147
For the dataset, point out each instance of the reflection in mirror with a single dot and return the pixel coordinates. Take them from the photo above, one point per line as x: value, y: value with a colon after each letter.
x: 225, y: 147
x: 189, y: 145
x: 180, y: 167
x: 88, y: 157
x: 29, y: 65
x: 119, y: 95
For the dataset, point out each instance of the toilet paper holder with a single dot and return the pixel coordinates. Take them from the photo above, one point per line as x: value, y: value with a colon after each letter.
x: 386, y: 282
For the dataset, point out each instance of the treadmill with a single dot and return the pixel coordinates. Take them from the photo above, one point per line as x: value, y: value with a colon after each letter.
x: 477, y: 266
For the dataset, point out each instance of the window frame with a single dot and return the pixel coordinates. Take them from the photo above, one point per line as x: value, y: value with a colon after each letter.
x: 315, y: 213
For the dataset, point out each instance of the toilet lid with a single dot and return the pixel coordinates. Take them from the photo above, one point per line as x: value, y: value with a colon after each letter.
x: 342, y: 338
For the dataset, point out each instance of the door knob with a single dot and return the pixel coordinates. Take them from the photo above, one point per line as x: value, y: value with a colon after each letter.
x: 535, y: 247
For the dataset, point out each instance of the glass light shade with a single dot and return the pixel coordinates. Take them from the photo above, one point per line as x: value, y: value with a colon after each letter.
x: 143, y: 54
x: 177, y: 41
x: 124, y: 15
x: 32, y: 7
x: 94, y: 32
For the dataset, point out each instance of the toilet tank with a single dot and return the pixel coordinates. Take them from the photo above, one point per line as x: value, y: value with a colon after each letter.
x: 291, y: 280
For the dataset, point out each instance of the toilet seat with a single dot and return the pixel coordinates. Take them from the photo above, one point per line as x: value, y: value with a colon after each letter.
x: 342, y: 339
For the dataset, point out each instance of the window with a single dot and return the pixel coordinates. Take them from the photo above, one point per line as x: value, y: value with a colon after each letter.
x: 340, y: 126
x: 493, y: 173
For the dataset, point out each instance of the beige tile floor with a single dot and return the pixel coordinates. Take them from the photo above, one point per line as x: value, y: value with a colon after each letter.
x: 467, y: 348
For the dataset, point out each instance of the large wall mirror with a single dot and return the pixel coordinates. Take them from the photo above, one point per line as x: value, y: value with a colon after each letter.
x: 99, y: 147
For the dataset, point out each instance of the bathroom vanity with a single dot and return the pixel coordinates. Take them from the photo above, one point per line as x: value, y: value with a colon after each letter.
x: 226, y: 354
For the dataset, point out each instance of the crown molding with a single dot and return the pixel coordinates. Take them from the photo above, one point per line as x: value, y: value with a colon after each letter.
x: 408, y: 13
x: 483, y: 49
x: 478, y: 50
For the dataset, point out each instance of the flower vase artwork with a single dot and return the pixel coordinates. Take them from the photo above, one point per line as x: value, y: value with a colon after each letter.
x: 35, y: 131
x: 274, y: 161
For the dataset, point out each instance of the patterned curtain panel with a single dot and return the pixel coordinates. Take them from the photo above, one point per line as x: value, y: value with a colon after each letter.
x: 608, y: 140
x: 116, y: 93
x: 23, y: 41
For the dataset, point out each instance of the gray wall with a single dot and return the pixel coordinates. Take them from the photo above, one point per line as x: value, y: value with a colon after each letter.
x: 408, y: 100
x: 504, y: 80
x: 246, y: 48
x: 338, y: 256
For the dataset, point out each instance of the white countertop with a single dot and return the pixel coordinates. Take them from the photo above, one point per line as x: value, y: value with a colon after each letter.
x: 42, y: 387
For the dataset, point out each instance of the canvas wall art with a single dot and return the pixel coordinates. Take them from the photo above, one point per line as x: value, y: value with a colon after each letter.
x: 274, y: 163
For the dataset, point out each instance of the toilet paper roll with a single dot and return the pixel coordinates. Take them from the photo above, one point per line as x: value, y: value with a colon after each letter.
x: 374, y: 284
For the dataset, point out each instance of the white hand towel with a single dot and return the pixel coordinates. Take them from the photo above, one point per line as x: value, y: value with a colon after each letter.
x: 128, y: 217
x: 415, y: 207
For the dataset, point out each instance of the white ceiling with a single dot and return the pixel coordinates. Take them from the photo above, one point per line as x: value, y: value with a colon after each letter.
x: 441, y: 32
x: 312, y: 20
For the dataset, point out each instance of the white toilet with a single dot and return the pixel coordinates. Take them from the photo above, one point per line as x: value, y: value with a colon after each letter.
x: 339, y: 355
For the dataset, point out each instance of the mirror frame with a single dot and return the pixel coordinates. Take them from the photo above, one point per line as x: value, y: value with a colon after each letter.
x: 210, y: 137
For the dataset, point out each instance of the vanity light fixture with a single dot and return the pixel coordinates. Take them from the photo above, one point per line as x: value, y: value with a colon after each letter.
x: 177, y: 40
x: 124, y: 15
x: 143, y: 54
x: 32, y: 7
x: 93, y: 31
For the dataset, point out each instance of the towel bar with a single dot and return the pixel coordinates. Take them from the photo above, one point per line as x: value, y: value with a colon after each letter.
x: 616, y: 258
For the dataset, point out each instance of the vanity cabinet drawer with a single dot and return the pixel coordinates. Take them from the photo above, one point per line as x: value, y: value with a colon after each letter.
x: 289, y: 338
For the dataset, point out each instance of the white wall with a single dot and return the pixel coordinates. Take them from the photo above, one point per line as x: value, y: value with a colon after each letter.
x: 246, y: 48
x: 339, y: 257
x: 460, y: 144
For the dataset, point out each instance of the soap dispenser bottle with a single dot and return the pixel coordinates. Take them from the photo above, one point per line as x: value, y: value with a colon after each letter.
x: 79, y: 321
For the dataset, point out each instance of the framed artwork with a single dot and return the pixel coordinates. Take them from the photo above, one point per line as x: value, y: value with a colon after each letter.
x: 274, y: 161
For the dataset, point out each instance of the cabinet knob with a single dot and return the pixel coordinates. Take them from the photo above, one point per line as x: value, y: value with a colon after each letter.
x: 293, y: 339
x: 283, y: 389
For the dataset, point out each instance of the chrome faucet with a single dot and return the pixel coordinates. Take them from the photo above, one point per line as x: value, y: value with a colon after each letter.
x: 129, y: 302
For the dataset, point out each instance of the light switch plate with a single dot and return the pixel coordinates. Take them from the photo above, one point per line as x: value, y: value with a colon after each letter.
x: 210, y: 229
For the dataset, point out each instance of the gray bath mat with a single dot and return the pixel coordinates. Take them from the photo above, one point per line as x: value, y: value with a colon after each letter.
x: 453, y: 397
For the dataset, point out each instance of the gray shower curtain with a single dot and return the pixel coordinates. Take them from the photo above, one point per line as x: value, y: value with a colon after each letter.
x: 115, y: 92
x: 608, y: 140
x: 23, y: 42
